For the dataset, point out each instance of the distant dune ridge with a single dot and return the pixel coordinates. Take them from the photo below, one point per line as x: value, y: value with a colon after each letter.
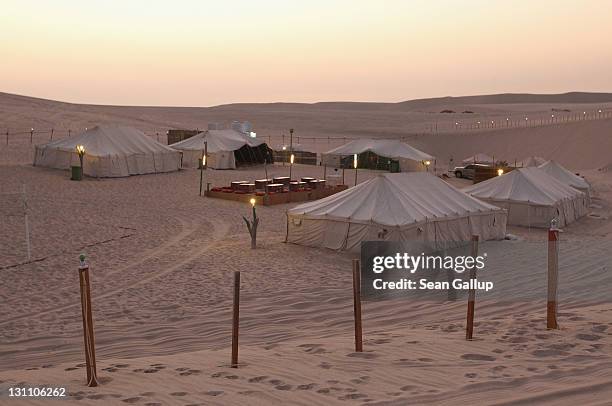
x: 578, y: 145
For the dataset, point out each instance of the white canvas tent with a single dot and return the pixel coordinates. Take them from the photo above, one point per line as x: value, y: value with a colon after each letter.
x: 531, y: 161
x: 563, y: 175
x: 410, y: 158
x: 110, y: 151
x: 532, y: 197
x: 413, y: 207
x: 479, y: 158
x: 221, y: 147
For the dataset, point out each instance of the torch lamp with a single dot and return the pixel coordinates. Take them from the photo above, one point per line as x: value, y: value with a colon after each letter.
x: 80, y: 149
x: 355, y: 167
x: 252, y: 225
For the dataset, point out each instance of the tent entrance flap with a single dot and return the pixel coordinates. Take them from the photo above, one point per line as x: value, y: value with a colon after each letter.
x: 247, y: 155
x: 370, y: 160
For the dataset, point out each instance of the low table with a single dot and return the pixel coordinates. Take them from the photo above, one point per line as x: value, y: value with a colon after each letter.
x: 274, y: 187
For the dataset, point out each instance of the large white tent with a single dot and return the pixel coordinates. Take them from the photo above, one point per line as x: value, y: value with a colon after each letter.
x: 563, y: 175
x: 479, y: 158
x: 110, y: 151
x: 532, y: 197
x: 411, y: 207
x: 410, y: 159
x: 221, y: 145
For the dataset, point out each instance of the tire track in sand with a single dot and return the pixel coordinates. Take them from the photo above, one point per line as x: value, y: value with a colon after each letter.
x: 220, y: 229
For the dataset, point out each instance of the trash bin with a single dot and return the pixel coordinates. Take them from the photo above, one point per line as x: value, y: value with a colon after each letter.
x: 77, y: 173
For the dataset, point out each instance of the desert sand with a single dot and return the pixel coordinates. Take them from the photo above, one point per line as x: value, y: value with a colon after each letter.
x: 162, y: 260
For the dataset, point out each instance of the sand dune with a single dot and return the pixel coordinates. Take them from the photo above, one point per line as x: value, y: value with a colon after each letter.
x: 321, y: 126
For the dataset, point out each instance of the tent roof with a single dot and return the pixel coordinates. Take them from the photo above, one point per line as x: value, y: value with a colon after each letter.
x: 395, y: 199
x: 523, y: 185
x: 478, y: 158
x: 218, y: 140
x: 388, y: 148
x: 531, y: 161
x: 565, y: 176
x: 107, y: 140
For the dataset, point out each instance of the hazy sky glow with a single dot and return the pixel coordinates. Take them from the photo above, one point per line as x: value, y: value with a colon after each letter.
x: 204, y: 53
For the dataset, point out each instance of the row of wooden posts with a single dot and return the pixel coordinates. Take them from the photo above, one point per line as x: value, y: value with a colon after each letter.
x: 551, y: 306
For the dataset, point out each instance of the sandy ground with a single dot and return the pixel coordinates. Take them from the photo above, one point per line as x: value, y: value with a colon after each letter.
x: 162, y: 261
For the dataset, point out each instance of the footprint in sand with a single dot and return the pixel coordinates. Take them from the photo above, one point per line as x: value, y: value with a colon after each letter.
x: 178, y: 393
x: 471, y: 375
x: 257, y: 379
x: 214, y: 392
x: 131, y: 400
x: 306, y: 386
x: 283, y: 387
x: 549, y: 353
x: 379, y: 341
x: 150, y: 371
x: 353, y: 396
x: 325, y: 365
x: 478, y: 357
x: 588, y: 337
x: 364, y: 355
x: 191, y: 372
x: 600, y: 328
x: 70, y: 369
x: 152, y: 404
x: 313, y: 348
x: 224, y: 375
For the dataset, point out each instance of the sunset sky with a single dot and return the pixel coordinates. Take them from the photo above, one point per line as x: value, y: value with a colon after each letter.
x: 202, y: 53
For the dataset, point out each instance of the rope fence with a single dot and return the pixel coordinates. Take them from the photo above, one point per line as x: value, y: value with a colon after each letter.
x: 471, y: 125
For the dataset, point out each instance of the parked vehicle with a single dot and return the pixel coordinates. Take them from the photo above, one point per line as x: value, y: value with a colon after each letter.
x: 467, y: 171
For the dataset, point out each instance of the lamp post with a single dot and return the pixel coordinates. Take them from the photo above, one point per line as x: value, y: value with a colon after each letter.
x: 427, y: 163
x: 500, y: 171
x: 291, y: 160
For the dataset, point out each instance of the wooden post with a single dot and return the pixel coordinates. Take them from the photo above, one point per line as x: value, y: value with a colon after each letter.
x: 357, y: 306
x: 469, y: 329
x: 7, y: 134
x: 553, y: 275
x: 52, y: 134
x: 88, y: 332
x: 235, y: 319
x: 31, y: 135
